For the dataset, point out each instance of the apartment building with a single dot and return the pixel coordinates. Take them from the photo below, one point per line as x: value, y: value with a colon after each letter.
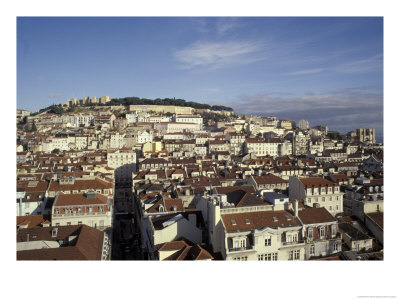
x: 91, y: 209
x: 317, y: 192
x: 321, y: 233
x: 81, y: 185
x: 189, y: 119
x: 262, y: 235
x: 124, y: 162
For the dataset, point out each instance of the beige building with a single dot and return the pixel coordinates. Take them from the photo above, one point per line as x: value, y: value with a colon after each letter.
x: 80, y: 186
x: 320, y: 232
x: 262, y: 235
x: 366, y: 135
x: 317, y: 192
x: 91, y: 209
x: 162, y: 109
x: 124, y: 162
x: 189, y: 119
x: 168, y: 127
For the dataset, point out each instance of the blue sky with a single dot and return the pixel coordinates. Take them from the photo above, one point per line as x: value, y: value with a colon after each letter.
x: 327, y: 70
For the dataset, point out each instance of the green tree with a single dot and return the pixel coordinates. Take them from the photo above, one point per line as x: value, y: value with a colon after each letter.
x: 55, y: 151
x: 33, y: 127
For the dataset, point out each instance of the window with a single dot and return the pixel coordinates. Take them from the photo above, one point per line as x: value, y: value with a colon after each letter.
x: 333, y: 229
x: 294, y: 255
x: 288, y: 238
x: 294, y: 237
x: 310, y: 233
x: 322, y: 232
x: 68, y: 223
x: 335, y: 246
x: 323, y: 199
x: 236, y: 244
x: 312, y: 250
x: 268, y: 241
x: 275, y: 256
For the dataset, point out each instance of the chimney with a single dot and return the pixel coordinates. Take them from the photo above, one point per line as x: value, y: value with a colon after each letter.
x: 296, y: 208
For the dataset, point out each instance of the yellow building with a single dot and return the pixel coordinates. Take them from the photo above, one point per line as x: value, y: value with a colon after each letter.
x: 151, y: 147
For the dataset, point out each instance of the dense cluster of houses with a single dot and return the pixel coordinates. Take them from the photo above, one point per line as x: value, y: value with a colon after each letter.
x: 250, y: 188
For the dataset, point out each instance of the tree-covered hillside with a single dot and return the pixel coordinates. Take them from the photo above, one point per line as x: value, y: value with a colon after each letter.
x: 166, y: 101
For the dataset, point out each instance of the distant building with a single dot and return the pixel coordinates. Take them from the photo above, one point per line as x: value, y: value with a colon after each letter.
x: 366, y: 135
x: 303, y: 124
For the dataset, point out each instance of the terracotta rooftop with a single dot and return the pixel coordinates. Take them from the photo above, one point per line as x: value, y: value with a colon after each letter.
x: 79, y: 199
x: 87, y: 246
x: 259, y: 220
x: 315, y: 215
x: 316, y: 182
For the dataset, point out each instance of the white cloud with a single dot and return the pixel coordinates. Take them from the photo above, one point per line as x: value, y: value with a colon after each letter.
x: 217, y: 54
x: 55, y: 95
x: 226, y: 24
x: 338, y: 109
x: 305, y: 72
x: 373, y: 63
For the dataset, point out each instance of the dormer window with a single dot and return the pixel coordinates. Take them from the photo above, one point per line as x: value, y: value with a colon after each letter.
x: 329, y: 189
x: 247, y: 221
x: 310, y: 233
x: 333, y: 229
x: 322, y: 232
x: 233, y: 222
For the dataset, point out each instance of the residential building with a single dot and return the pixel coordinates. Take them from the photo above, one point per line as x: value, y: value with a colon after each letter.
x: 317, y: 192
x: 124, y: 162
x: 320, y: 232
x: 75, y: 242
x: 91, y: 209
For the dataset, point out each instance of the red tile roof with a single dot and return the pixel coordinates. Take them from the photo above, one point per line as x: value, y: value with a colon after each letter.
x: 259, y: 220
x: 315, y: 215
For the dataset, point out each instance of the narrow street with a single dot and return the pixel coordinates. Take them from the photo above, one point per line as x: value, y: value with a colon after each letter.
x: 126, y: 236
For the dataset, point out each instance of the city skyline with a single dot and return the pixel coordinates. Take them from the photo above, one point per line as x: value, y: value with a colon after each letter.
x: 326, y: 70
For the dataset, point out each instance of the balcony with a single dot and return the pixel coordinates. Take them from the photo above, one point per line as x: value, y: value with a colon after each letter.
x: 293, y: 243
x: 241, y: 249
